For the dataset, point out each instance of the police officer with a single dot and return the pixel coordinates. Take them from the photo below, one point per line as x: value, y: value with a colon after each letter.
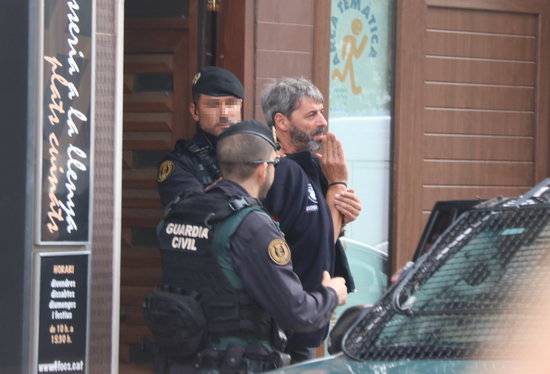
x: 312, y: 216
x: 217, y: 101
x: 239, y: 263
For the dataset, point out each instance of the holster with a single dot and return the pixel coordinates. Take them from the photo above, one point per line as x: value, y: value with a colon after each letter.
x: 176, y: 321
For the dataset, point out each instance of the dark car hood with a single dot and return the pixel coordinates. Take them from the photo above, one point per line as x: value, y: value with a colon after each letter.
x: 339, y: 364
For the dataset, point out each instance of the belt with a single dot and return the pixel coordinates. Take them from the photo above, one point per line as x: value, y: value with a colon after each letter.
x: 237, y: 359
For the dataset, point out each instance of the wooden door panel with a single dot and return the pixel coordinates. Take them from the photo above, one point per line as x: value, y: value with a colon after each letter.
x: 133, y: 334
x: 140, y: 198
x: 153, y: 41
x: 481, y: 46
x: 480, y: 97
x: 139, y: 178
x: 495, y: 72
x: 471, y: 110
x: 148, y: 122
x: 445, y: 147
x: 148, y: 102
x: 157, y: 67
x: 478, y: 20
x: 147, y: 140
x: 478, y: 173
x: 156, y: 63
x: 479, y: 122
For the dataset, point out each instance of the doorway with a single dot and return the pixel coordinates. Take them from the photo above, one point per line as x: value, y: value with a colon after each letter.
x: 165, y: 43
x: 160, y: 57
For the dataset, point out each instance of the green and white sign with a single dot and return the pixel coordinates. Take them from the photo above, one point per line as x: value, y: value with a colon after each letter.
x: 360, y: 102
x: 361, y: 49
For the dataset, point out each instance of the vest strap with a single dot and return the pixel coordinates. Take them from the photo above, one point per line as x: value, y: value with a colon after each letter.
x: 203, y: 159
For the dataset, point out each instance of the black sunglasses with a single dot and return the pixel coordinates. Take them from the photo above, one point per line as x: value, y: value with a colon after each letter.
x: 274, y: 162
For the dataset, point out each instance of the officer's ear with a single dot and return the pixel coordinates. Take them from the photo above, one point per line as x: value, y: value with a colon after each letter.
x: 261, y: 173
x: 281, y: 122
x: 194, y: 112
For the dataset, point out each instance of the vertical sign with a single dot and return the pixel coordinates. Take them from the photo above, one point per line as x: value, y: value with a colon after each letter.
x: 66, y: 121
x: 63, y: 310
x: 361, y: 58
x: 360, y: 97
x: 361, y: 76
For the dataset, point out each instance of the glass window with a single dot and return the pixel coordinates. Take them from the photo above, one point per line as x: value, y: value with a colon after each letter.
x: 360, y: 105
x: 360, y: 110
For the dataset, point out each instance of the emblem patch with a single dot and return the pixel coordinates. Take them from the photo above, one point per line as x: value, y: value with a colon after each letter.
x: 311, y: 194
x: 279, y: 252
x: 196, y: 79
x: 165, y: 169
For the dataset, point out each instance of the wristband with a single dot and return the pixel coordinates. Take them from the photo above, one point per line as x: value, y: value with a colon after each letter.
x: 335, y: 183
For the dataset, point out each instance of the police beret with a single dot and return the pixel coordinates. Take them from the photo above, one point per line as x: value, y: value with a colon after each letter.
x: 251, y: 127
x: 215, y: 81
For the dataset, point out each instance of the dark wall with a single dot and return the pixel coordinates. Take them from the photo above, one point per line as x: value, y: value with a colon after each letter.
x: 15, y: 225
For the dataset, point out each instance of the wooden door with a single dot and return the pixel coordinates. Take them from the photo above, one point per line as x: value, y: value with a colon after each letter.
x: 160, y: 55
x: 471, y: 114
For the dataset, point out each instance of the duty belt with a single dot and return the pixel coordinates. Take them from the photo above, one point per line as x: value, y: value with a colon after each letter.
x: 237, y: 359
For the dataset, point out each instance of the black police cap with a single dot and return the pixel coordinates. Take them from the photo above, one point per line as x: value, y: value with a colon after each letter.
x: 216, y: 81
x: 251, y: 127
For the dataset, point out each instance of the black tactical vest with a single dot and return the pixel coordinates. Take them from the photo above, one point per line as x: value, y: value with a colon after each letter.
x: 203, y: 159
x: 190, y: 261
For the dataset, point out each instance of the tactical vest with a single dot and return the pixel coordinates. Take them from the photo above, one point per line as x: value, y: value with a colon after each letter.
x: 204, y: 162
x: 194, y: 243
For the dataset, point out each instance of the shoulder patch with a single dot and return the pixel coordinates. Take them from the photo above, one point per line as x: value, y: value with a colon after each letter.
x: 279, y: 251
x: 165, y: 169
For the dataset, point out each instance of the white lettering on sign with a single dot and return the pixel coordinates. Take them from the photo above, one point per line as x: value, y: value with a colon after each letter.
x: 67, y: 159
x: 74, y: 30
x: 56, y: 105
x: 55, y: 213
x: 75, y: 156
x: 72, y: 177
x: 63, y: 294
x: 72, y: 127
x: 66, y: 283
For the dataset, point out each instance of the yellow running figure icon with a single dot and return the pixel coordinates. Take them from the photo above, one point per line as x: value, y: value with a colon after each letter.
x: 349, y: 53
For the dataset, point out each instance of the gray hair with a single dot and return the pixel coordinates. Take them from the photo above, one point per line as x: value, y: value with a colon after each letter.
x: 286, y: 95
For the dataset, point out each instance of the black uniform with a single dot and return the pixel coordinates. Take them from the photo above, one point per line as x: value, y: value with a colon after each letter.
x: 258, y: 264
x: 272, y: 282
x: 306, y: 221
x: 191, y: 166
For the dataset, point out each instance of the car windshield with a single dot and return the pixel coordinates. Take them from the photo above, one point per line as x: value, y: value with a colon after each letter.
x: 457, y: 297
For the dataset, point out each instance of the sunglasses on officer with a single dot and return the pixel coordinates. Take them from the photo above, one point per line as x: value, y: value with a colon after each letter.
x: 274, y: 162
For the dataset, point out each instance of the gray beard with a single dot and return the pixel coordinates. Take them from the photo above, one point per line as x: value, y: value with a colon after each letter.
x: 304, y: 140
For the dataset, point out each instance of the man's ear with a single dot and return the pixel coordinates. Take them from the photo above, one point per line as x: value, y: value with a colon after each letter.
x: 281, y: 122
x: 194, y: 112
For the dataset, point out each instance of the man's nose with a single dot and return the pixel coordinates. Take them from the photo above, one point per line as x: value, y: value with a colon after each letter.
x: 224, y: 108
x: 321, y: 121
